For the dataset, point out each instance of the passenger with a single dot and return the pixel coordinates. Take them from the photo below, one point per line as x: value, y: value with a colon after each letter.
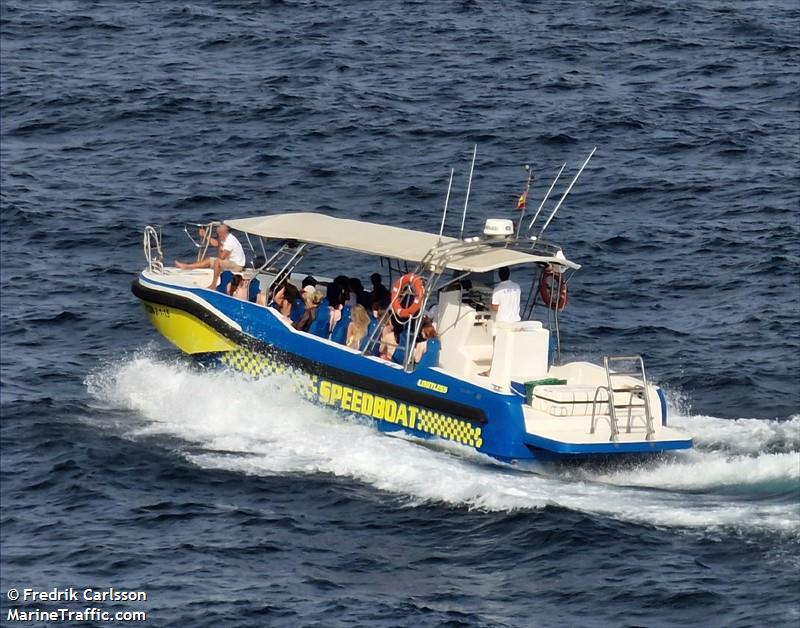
x: 309, y: 280
x: 320, y: 325
x: 311, y: 299
x: 277, y: 297
x: 335, y: 304
x: 233, y: 284
x: 505, y: 298
x: 505, y: 303
x: 268, y: 296
x: 283, y: 299
x: 357, y: 328
x: 332, y: 292
x: 362, y: 297
x: 398, y: 326
x: 290, y: 295
x: 230, y: 255
x: 342, y: 282
x: 239, y: 288
x: 388, y: 341
x: 432, y: 312
x: 375, y: 311
x: 426, y: 333
x: 379, y: 293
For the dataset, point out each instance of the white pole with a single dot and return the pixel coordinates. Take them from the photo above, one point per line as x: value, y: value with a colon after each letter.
x: 469, y: 187
x: 567, y: 191
x: 446, y: 201
x: 546, y: 196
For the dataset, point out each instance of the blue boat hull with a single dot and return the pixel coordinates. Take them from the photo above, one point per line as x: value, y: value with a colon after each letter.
x: 425, y: 403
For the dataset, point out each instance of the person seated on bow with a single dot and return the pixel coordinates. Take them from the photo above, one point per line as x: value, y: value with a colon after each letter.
x: 230, y: 255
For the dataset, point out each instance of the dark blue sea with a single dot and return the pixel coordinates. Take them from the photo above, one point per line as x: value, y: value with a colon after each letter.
x: 233, y: 503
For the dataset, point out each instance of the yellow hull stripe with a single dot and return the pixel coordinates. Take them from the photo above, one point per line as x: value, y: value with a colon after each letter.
x: 188, y: 333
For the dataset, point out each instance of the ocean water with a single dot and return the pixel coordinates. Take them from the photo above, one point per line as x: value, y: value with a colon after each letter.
x: 233, y: 503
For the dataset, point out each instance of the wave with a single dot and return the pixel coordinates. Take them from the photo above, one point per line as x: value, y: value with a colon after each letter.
x: 226, y: 421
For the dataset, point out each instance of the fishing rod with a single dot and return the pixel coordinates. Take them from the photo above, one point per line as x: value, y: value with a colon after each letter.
x: 563, y: 196
x: 546, y: 196
x: 469, y: 187
x: 446, y: 201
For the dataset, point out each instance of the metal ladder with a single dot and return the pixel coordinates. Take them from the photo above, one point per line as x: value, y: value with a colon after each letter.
x: 615, y: 391
x: 282, y: 263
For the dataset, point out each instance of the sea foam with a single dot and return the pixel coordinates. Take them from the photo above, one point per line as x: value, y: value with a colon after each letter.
x: 260, y: 427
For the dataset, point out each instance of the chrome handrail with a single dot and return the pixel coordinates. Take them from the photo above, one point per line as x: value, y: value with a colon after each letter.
x: 151, y: 237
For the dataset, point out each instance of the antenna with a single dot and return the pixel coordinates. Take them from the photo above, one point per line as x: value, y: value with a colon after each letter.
x: 546, y: 196
x: 525, y: 197
x: 469, y: 187
x: 446, y: 201
x: 567, y: 192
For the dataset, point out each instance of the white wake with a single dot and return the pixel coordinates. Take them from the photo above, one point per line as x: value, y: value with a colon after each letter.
x: 262, y: 428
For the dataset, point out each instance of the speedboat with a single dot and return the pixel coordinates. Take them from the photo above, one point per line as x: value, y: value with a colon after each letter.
x: 500, y: 388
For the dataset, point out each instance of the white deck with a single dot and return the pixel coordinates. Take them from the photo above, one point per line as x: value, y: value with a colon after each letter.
x: 575, y: 429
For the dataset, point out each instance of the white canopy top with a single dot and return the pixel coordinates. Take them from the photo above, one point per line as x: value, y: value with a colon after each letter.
x: 386, y: 241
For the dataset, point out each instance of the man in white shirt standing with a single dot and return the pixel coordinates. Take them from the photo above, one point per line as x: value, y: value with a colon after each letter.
x: 505, y: 298
x: 230, y: 255
x: 505, y: 302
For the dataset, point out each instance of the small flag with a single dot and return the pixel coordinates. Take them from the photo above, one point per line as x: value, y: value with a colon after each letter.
x: 521, y: 200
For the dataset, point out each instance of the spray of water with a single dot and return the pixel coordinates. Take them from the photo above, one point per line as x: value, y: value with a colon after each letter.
x: 743, y: 474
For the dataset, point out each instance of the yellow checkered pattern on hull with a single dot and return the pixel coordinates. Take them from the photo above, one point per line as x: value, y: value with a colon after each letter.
x: 258, y: 364
x: 449, y: 428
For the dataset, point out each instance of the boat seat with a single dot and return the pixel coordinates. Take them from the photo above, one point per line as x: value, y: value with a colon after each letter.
x: 339, y: 333
x: 297, y: 311
x: 224, y: 280
x: 430, y: 358
x: 319, y: 326
x: 370, y: 328
x: 399, y: 355
x: 253, y: 290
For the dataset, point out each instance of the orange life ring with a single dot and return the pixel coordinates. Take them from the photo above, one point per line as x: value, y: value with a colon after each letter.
x: 550, y: 281
x: 414, y: 282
